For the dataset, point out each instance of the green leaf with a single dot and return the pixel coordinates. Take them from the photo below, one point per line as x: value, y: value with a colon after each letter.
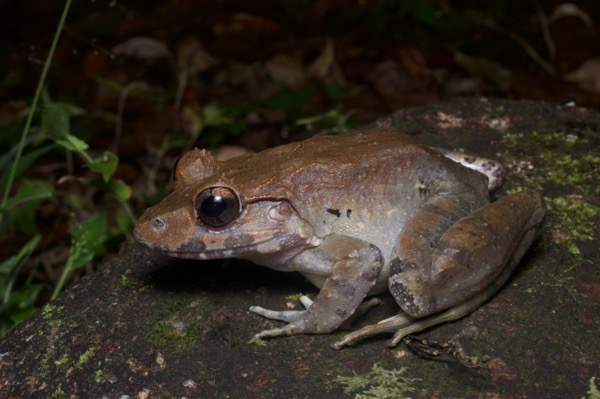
x: 88, y: 240
x: 424, y: 13
x: 26, y: 161
x: 111, y: 84
x: 56, y: 120
x: 123, y: 219
x: 213, y: 115
x: 56, y: 124
x: 71, y: 143
x: 29, y: 191
x: 12, y: 263
x: 24, y: 297
x: 119, y: 190
x: 24, y: 314
x: 105, y: 164
x: 290, y: 98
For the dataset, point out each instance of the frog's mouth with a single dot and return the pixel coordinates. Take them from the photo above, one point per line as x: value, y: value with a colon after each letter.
x: 243, y: 246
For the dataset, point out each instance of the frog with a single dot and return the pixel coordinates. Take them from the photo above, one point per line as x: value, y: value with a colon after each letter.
x: 358, y: 215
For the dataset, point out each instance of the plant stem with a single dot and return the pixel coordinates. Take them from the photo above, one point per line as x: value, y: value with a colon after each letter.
x: 34, y: 104
x: 63, y: 278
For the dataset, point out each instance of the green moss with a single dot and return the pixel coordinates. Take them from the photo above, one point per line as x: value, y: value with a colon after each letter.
x: 49, y: 311
x: 257, y: 341
x: 129, y: 282
x: 379, y: 383
x: 62, y: 360
x: 593, y: 393
x: 572, y: 220
x: 294, y: 297
x: 99, y: 376
x: 561, y: 163
x: 85, y: 357
x: 58, y: 392
x: 179, y: 326
x: 553, y: 161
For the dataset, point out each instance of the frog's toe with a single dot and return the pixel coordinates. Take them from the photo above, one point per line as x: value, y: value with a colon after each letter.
x: 391, y: 324
x: 277, y: 332
x: 282, y: 315
x: 288, y: 316
x: 306, y: 301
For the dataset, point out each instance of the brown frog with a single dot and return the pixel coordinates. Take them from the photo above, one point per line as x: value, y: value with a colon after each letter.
x: 357, y: 215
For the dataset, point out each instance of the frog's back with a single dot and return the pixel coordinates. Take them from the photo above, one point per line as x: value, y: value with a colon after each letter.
x: 355, y: 184
x: 325, y: 162
x: 363, y: 163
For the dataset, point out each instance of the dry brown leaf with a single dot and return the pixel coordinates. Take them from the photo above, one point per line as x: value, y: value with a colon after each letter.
x: 192, y: 58
x: 571, y: 10
x: 484, y: 68
x: 325, y: 67
x: 145, y: 48
x: 587, y: 76
x: 286, y: 70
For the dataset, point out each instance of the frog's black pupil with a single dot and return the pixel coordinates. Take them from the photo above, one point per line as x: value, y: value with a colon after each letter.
x: 213, y: 206
x: 217, y: 207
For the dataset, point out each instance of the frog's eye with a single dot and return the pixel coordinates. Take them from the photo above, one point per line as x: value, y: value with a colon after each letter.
x: 217, y: 206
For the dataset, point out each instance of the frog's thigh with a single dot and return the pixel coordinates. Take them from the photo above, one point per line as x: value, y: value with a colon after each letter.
x: 469, y: 257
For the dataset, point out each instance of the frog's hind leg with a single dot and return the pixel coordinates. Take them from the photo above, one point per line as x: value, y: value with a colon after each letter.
x: 463, y: 309
x: 471, y: 255
x: 472, y: 260
x: 403, y: 324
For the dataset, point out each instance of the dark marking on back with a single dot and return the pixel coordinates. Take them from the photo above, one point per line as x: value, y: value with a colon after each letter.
x: 470, y: 159
x: 397, y: 266
x: 488, y: 165
x: 403, y: 295
x: 404, y: 298
x: 335, y: 212
x: 423, y: 188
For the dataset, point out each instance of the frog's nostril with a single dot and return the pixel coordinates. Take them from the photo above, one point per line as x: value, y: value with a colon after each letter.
x: 157, y: 223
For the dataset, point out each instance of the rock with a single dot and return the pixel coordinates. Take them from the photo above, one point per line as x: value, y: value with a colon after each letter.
x: 149, y: 326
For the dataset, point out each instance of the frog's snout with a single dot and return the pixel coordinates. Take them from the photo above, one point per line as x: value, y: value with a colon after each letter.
x: 149, y: 228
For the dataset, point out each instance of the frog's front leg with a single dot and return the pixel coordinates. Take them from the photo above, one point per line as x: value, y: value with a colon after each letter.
x: 351, y: 267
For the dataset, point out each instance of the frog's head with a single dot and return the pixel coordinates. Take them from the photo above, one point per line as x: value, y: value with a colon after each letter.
x: 212, y: 219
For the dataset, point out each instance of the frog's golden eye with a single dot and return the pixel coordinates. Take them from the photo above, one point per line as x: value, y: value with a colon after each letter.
x: 217, y: 206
